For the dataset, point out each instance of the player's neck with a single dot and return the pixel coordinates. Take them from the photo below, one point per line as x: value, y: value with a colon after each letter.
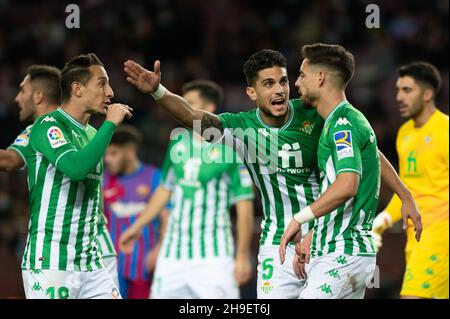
x: 44, y: 109
x: 422, y: 118
x: 329, y: 102
x: 77, y: 112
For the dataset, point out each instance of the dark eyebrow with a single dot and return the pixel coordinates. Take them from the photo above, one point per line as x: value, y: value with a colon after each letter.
x: 102, y: 78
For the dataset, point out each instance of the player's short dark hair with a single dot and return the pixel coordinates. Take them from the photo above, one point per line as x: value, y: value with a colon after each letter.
x: 209, y: 90
x: 77, y: 70
x: 423, y: 72
x: 333, y: 56
x: 126, y: 134
x: 47, y: 78
x: 261, y: 60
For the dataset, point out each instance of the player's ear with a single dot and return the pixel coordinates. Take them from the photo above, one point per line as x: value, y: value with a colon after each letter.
x: 321, y: 78
x: 428, y: 95
x: 251, y: 93
x: 38, y: 97
x: 77, y: 89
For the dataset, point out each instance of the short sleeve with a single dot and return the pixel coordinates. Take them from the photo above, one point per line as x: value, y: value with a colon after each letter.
x: 21, y: 144
x: 241, y: 184
x: 345, y: 142
x: 50, y: 138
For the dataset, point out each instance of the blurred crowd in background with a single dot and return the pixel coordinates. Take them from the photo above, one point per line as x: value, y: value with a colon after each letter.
x: 197, y: 39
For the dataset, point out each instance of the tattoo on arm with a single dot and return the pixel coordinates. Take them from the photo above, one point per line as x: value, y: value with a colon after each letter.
x: 213, y: 125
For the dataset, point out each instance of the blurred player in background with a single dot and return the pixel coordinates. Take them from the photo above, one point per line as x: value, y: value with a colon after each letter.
x: 39, y: 94
x: 128, y: 184
x: 423, y: 151
x: 285, y: 173
x: 61, y: 258
x: 197, y: 255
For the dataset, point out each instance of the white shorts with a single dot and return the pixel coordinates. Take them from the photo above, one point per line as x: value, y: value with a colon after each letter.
x: 59, y: 284
x: 194, y: 279
x: 338, y: 276
x: 276, y: 281
x: 112, y: 268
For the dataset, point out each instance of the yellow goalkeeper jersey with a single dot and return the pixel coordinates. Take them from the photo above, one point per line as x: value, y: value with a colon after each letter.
x: 423, y: 164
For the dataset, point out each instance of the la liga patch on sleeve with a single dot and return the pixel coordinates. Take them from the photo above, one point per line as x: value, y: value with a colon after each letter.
x: 56, y: 137
x: 344, y: 146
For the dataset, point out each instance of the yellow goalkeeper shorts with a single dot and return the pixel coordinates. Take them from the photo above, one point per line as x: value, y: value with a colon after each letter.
x: 426, y: 274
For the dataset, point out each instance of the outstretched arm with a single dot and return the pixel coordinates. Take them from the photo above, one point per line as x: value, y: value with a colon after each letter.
x: 10, y: 160
x: 149, y: 82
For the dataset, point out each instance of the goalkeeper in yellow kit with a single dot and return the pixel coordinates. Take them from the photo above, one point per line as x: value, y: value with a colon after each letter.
x: 423, y: 151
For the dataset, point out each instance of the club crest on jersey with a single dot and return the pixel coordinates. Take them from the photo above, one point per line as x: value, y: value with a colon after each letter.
x: 308, y: 127
x: 344, y: 146
x: 23, y: 138
x: 56, y: 137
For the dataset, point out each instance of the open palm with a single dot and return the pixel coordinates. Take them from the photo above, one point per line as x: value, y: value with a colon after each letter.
x: 144, y: 80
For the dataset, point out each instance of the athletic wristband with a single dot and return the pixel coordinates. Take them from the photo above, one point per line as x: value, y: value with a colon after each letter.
x: 304, y: 216
x: 159, y: 93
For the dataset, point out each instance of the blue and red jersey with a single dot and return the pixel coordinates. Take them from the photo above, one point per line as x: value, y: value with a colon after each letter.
x: 125, y: 197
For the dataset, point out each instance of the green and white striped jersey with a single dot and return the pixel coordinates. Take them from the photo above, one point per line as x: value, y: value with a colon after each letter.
x: 64, y: 214
x: 22, y: 144
x: 348, y: 144
x: 282, y: 163
x: 203, y: 186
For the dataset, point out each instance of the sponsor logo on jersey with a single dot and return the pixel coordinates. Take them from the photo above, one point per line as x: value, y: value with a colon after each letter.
x: 287, y: 151
x: 23, y: 139
x: 344, y: 146
x: 342, y: 121
x: 56, y: 137
x: 48, y: 119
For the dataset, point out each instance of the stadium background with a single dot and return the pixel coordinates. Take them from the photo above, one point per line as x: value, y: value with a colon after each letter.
x: 212, y: 39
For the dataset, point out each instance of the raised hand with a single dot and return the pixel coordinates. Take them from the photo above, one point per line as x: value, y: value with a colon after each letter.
x: 144, y: 80
x: 117, y: 112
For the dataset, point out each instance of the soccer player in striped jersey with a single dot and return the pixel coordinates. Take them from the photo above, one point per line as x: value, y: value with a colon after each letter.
x: 278, y: 142
x: 61, y: 258
x: 127, y: 186
x: 422, y: 146
x: 197, y: 255
x: 343, y: 257
x: 38, y: 95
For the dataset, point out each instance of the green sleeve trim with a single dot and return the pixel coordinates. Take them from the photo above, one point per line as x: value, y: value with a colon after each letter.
x: 239, y: 198
x: 348, y: 170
